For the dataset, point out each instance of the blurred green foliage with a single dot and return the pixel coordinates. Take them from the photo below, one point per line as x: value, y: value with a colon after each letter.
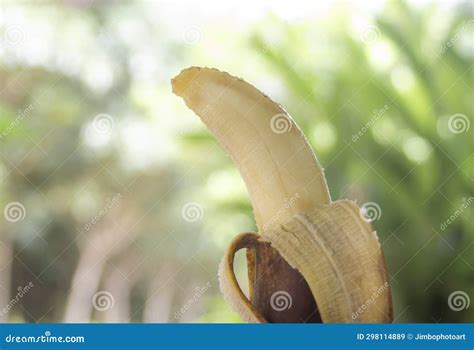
x: 376, y: 103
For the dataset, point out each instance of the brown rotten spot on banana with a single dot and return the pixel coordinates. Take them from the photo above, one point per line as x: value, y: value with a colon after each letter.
x: 313, y: 260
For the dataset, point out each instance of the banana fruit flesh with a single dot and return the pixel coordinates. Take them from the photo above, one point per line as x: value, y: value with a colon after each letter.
x: 313, y: 260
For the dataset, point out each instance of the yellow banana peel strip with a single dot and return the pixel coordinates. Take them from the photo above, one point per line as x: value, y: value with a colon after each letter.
x: 313, y: 260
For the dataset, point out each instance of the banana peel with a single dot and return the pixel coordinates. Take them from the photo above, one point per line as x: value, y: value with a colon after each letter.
x: 313, y: 259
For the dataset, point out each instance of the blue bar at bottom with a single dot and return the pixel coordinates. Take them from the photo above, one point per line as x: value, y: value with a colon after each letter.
x: 237, y: 336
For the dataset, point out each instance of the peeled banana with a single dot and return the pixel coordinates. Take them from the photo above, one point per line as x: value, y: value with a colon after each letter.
x: 313, y: 260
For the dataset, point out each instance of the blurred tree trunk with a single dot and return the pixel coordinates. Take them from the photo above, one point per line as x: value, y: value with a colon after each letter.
x: 119, y: 282
x: 109, y: 238
x: 160, y: 295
